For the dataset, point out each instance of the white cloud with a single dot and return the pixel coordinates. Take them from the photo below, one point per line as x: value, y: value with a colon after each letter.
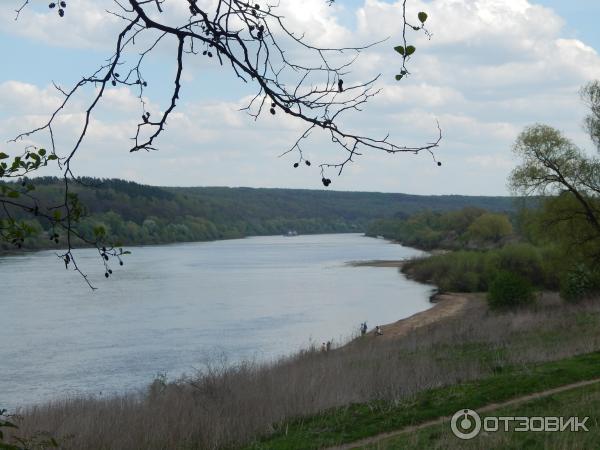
x: 84, y: 25
x: 316, y: 21
x: 491, y: 68
x: 24, y: 98
x: 495, y: 161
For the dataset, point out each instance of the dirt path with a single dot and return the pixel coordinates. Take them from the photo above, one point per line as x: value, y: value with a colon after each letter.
x: 483, y: 409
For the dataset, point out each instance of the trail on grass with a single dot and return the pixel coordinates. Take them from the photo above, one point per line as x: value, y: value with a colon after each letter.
x: 483, y: 409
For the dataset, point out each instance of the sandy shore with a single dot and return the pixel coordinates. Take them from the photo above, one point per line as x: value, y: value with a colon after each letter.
x: 377, y: 263
x: 445, y: 306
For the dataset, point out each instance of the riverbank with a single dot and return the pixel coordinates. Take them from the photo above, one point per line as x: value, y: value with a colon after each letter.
x: 446, y: 306
x: 378, y: 263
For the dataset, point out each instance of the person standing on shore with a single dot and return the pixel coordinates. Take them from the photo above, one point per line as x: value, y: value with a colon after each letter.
x: 378, y: 331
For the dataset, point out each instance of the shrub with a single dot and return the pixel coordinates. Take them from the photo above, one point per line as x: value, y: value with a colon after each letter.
x: 509, y: 290
x: 459, y: 271
x: 469, y: 282
x: 522, y: 259
x: 579, y: 283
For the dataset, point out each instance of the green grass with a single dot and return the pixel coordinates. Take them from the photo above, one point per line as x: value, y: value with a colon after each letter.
x: 359, y: 421
x: 580, y: 402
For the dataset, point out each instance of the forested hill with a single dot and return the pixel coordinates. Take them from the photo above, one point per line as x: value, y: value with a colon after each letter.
x: 266, y: 202
x: 138, y: 214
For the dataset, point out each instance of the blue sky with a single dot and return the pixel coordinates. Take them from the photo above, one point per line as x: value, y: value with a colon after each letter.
x: 491, y: 68
x: 581, y: 17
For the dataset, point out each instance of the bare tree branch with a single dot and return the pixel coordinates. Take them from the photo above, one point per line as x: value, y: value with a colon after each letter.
x: 254, y: 42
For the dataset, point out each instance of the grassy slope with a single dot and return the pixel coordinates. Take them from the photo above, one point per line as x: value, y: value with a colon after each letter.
x: 464, y: 361
x: 581, y: 402
x: 359, y: 421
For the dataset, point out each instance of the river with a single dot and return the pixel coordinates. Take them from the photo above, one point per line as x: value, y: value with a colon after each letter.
x: 171, y: 308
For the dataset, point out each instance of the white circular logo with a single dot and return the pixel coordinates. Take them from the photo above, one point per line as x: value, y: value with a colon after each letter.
x: 465, y: 424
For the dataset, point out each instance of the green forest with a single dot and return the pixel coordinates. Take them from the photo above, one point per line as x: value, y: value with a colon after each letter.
x: 127, y: 213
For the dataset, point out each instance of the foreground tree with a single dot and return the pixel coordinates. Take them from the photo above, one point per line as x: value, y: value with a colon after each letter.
x: 250, y: 39
x: 569, y: 181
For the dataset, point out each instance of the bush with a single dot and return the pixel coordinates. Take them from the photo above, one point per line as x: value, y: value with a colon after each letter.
x: 580, y: 283
x: 474, y: 271
x: 509, y: 290
x: 459, y: 271
x: 521, y: 259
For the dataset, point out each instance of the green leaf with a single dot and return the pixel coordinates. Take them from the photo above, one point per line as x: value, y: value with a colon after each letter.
x: 410, y: 50
x: 42, y: 151
x: 52, y: 157
x: 3, y: 155
x: 399, y: 77
x: 422, y: 16
x: 399, y: 49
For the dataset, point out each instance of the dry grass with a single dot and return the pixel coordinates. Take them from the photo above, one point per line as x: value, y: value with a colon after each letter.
x: 229, y: 405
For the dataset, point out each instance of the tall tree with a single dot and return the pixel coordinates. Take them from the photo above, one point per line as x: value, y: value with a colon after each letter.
x: 554, y: 167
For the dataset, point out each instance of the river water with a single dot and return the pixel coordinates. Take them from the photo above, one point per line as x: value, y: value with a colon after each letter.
x: 171, y: 308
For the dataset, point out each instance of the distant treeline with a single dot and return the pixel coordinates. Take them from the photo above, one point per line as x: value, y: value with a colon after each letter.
x: 133, y: 214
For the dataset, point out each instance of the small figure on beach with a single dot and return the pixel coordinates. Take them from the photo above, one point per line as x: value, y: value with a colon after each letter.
x: 378, y: 331
x: 328, y: 346
x: 363, y: 328
x: 323, y: 347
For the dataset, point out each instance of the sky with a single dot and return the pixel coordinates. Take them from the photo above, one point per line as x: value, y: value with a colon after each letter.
x: 491, y: 68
